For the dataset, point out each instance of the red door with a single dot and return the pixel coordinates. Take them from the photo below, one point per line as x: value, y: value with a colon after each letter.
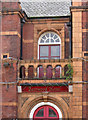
x: 46, y: 113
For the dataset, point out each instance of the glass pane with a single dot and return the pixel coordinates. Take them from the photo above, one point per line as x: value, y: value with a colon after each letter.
x: 43, y: 51
x: 52, y: 34
x: 57, y: 40
x: 55, y: 51
x: 52, y: 40
x: 55, y: 36
x: 47, y: 41
x: 40, y: 113
x: 47, y: 34
x: 42, y: 41
x: 55, y: 57
x: 44, y: 37
x: 52, y: 113
x: 43, y: 57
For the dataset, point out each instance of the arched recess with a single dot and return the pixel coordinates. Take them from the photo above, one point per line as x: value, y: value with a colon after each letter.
x: 57, y: 71
x: 49, y: 73
x: 49, y: 46
x: 40, y: 71
x: 30, y: 72
x: 22, y: 72
x: 31, y: 102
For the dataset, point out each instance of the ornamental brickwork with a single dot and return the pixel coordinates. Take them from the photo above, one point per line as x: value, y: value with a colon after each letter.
x: 20, y: 69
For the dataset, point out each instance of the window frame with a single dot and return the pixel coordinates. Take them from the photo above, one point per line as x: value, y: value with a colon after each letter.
x: 49, y: 44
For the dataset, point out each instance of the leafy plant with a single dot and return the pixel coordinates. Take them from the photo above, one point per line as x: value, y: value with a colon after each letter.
x: 69, y: 72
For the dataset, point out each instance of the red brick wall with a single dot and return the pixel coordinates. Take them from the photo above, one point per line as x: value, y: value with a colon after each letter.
x: 85, y: 88
x: 85, y: 41
x: 11, y: 23
x: 85, y: 64
x: 67, y: 47
x: 9, y: 92
x: 84, y: 20
x: 28, y: 35
x: 11, y: 43
x: 11, y: 112
x: 10, y: 5
x: 85, y: 3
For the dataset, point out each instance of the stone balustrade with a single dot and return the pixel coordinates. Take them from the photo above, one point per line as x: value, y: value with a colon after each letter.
x: 49, y: 69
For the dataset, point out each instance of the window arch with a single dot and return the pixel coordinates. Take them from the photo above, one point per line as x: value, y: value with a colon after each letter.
x: 49, y: 46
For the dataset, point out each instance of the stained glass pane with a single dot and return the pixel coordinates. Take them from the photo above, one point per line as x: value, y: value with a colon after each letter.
x: 40, y: 113
x: 55, y: 51
x: 43, y: 51
x: 52, y: 113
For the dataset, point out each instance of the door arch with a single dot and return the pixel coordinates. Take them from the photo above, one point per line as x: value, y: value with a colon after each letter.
x: 49, y: 104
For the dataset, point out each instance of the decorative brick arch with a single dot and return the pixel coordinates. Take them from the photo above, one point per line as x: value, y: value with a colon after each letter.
x: 30, y: 103
x: 47, y: 30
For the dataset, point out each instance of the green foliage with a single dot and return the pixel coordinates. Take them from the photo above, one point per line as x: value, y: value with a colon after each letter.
x: 69, y: 72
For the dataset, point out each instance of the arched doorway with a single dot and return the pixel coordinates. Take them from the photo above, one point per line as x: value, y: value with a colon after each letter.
x: 46, y: 112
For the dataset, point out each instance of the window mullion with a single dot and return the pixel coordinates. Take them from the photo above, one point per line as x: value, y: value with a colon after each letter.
x: 49, y: 38
x: 49, y: 51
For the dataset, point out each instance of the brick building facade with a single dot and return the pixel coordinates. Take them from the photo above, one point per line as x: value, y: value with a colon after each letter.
x: 35, y: 52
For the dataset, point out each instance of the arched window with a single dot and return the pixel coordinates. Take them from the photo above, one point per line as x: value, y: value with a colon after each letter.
x: 49, y: 46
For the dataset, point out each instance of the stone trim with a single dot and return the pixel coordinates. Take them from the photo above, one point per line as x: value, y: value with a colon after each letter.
x: 8, y: 103
x: 10, y: 33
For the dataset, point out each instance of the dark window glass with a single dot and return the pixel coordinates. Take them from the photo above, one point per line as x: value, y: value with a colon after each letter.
x: 4, y: 56
x: 52, y: 113
x: 47, y: 34
x: 47, y: 41
x: 44, y: 37
x: 52, y: 40
x: 55, y: 36
x: 40, y: 113
x: 42, y: 41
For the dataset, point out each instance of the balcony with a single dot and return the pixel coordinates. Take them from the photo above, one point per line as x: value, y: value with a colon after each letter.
x: 42, y: 71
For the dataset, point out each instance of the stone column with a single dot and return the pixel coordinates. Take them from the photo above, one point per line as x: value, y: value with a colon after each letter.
x: 77, y: 63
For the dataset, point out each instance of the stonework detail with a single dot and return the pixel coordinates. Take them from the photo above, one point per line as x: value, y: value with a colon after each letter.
x: 21, y: 64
